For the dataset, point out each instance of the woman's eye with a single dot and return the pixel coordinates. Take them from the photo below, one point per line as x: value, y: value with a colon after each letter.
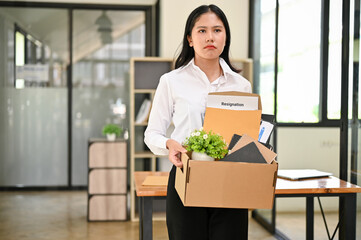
x: 217, y: 30
x: 202, y: 31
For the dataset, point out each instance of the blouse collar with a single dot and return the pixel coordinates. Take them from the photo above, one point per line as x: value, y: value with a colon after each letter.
x: 225, y: 68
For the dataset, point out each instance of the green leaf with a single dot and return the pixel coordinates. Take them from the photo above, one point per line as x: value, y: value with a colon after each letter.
x: 112, y: 128
x: 208, y: 142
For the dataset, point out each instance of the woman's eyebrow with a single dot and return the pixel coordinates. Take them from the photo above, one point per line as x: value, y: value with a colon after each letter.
x: 217, y: 26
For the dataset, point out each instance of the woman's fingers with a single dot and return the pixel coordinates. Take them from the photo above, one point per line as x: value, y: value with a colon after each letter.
x: 175, y: 150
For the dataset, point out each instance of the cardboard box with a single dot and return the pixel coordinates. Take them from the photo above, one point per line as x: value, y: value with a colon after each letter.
x: 229, y: 184
x: 226, y: 184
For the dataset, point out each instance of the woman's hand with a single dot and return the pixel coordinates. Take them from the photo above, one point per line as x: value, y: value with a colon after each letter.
x: 175, y: 149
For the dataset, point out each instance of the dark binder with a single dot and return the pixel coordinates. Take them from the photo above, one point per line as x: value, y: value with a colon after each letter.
x: 234, y: 140
x: 248, y: 153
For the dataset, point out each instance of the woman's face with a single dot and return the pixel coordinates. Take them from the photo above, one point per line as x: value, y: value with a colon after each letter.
x: 208, y: 37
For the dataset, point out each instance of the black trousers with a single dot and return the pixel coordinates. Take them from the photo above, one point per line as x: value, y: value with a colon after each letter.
x: 199, y: 223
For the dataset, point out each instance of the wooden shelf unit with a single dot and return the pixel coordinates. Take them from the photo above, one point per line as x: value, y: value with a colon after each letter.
x: 144, y: 77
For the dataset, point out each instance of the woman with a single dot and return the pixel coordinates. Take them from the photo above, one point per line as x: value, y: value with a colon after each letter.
x: 203, y: 66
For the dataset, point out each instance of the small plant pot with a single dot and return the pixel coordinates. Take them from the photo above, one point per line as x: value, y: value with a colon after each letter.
x: 201, y: 156
x: 111, y: 137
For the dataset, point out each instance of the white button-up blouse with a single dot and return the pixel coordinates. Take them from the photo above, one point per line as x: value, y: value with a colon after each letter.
x: 181, y: 98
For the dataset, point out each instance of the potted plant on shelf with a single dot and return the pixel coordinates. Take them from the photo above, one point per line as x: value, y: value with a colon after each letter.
x: 111, y: 131
x: 206, y: 146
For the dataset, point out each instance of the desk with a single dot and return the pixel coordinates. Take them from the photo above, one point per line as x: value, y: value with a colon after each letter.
x: 146, y: 195
x: 323, y: 187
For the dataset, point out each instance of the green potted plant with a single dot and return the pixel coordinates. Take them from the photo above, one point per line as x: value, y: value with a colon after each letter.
x: 111, y: 131
x: 206, y: 145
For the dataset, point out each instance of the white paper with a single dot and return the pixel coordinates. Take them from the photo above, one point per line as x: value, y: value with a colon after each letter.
x: 265, y: 131
x: 299, y: 174
x: 143, y: 111
x: 233, y: 102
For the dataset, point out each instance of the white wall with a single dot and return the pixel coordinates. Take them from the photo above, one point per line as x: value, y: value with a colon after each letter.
x: 173, y: 16
x: 308, y: 148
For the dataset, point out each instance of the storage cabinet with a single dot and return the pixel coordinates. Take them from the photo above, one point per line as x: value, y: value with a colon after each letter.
x: 107, y: 180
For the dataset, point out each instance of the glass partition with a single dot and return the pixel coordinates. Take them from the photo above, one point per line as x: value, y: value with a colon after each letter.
x: 33, y: 96
x: 298, y: 61
x: 103, y: 43
x: 44, y: 128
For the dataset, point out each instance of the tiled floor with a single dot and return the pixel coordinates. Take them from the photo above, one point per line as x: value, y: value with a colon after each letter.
x: 60, y: 215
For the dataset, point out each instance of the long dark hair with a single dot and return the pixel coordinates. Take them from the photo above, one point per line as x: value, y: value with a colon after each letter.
x: 187, y: 52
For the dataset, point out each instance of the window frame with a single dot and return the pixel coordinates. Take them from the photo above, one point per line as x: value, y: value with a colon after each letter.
x: 254, y: 53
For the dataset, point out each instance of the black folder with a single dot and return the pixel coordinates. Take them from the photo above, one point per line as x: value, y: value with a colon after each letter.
x: 268, y: 117
x: 234, y: 140
x: 248, y: 153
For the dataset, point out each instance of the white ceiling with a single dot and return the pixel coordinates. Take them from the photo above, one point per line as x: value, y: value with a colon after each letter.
x: 50, y: 26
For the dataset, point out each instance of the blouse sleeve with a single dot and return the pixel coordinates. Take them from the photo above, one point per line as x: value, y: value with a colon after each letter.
x: 159, y: 119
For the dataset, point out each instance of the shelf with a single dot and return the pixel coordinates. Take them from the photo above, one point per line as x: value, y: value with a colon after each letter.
x: 143, y: 124
x: 145, y: 154
x: 142, y: 91
x: 106, y: 140
x: 151, y: 59
x: 95, y: 168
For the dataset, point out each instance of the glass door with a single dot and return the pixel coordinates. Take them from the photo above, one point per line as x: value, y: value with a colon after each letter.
x: 103, y: 43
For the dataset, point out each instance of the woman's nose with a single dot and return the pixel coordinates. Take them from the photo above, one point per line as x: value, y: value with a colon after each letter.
x: 210, y: 40
x: 209, y: 37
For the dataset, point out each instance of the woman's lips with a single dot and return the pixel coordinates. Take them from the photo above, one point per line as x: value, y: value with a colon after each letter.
x: 210, y: 47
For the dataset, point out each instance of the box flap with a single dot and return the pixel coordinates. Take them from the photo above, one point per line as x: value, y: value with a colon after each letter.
x: 181, y: 177
x: 267, y: 154
x: 228, y: 122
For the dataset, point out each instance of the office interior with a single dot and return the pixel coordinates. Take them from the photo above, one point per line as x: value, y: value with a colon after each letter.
x: 305, y: 67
